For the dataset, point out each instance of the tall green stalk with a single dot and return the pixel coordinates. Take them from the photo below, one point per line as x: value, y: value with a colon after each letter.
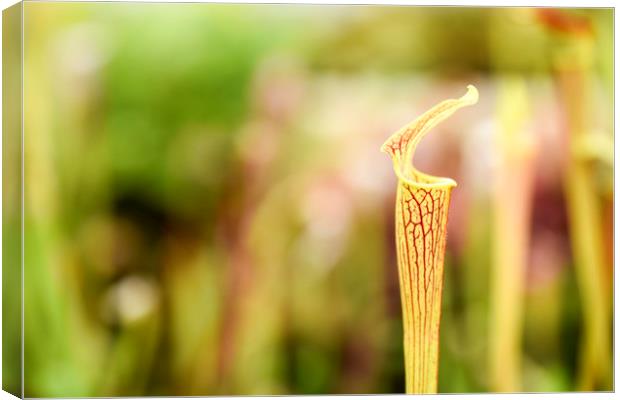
x: 512, y: 205
x: 574, y: 73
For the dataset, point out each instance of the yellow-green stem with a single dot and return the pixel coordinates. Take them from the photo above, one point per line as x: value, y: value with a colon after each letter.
x: 512, y: 203
x: 574, y: 70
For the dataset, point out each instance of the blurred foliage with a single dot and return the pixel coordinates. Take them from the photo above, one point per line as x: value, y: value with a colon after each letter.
x: 11, y: 201
x: 207, y: 210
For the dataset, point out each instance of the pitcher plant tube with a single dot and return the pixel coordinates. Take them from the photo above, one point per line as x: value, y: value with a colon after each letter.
x: 422, y: 203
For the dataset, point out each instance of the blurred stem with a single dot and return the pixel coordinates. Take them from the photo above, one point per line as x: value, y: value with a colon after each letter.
x: 574, y: 79
x: 422, y: 203
x: 250, y: 188
x: 54, y: 316
x: 238, y: 284
x: 511, y: 226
